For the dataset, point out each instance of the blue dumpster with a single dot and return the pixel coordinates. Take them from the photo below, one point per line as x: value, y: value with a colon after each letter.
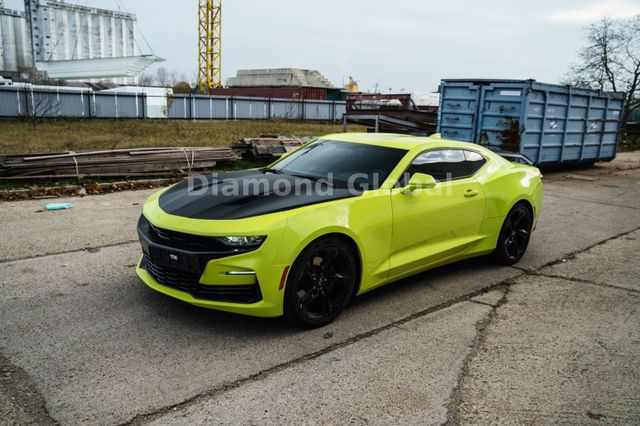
x: 549, y: 124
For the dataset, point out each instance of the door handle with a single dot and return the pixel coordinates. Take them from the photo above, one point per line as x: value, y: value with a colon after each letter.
x: 471, y: 193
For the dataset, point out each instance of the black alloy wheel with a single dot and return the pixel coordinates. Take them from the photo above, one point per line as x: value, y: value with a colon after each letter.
x: 321, y: 283
x: 514, y: 236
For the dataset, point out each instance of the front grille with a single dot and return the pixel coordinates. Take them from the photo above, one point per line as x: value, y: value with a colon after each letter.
x: 171, y: 277
x: 209, y: 247
x: 192, y: 242
x: 189, y: 282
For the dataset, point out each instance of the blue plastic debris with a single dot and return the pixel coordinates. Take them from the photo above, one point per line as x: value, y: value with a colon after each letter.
x: 59, y: 206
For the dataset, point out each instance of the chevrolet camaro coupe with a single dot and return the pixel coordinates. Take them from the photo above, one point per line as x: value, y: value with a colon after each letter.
x: 338, y: 217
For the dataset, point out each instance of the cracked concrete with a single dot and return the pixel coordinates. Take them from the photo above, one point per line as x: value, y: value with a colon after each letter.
x: 444, y: 346
x: 406, y: 378
x: 558, y: 352
x: 30, y: 232
x: 20, y: 401
x: 614, y: 263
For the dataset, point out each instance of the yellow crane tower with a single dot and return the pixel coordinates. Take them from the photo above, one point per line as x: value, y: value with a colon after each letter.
x: 209, y: 44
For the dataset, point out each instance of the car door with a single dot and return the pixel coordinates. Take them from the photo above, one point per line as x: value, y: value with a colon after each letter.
x: 430, y: 225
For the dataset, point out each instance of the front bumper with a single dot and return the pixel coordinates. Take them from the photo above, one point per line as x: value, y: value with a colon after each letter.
x: 238, y: 281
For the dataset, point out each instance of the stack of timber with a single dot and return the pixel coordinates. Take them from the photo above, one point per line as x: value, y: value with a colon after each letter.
x: 269, y: 147
x: 113, y: 163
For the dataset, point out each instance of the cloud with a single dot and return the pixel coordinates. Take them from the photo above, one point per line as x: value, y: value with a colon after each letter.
x: 593, y: 12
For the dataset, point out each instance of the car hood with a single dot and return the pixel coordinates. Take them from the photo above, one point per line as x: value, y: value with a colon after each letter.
x: 238, y: 195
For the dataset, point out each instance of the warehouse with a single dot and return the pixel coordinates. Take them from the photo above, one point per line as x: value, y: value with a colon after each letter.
x: 282, y: 83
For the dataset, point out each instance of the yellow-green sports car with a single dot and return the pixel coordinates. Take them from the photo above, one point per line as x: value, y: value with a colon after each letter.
x: 340, y: 216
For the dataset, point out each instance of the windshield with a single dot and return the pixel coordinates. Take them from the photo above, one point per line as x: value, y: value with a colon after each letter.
x: 343, y: 163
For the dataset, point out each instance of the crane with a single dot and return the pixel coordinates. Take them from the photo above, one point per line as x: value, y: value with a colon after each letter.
x: 209, y: 44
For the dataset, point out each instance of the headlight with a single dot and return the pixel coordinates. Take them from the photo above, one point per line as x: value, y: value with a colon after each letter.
x: 242, y: 241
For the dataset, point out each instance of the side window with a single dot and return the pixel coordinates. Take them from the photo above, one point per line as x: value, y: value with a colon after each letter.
x: 475, y: 162
x: 442, y: 164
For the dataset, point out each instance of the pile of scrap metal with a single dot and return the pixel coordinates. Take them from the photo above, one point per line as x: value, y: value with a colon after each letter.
x: 113, y: 163
x: 392, y: 113
x: 269, y: 147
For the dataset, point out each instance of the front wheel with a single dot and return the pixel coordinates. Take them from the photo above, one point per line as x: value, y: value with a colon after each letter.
x: 514, y: 236
x: 321, y: 283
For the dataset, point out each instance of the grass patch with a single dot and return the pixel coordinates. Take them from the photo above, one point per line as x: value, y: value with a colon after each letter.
x: 19, y: 137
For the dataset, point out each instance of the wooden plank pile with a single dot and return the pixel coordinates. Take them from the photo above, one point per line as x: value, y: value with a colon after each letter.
x: 113, y: 163
x: 269, y: 147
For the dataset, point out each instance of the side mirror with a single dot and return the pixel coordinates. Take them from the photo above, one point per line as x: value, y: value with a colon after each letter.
x: 419, y: 181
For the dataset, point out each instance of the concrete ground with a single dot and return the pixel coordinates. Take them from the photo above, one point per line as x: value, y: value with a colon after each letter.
x: 555, y: 339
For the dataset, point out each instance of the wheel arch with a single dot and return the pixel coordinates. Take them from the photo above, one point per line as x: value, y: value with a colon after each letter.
x: 355, y: 249
x: 349, y: 240
x: 527, y: 204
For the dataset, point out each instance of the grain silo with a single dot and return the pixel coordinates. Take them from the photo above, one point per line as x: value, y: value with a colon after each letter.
x: 14, y: 52
x: 71, y: 42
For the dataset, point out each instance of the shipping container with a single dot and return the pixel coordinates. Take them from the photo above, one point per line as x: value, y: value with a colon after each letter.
x: 273, y: 92
x: 549, y: 124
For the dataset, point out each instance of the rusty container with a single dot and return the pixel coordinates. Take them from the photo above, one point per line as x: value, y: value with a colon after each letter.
x: 550, y: 124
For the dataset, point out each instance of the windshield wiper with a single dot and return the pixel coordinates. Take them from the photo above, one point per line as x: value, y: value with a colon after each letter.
x: 311, y: 177
x: 274, y: 171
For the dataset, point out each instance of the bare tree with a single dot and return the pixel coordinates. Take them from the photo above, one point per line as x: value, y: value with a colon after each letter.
x: 42, y: 104
x: 166, y: 77
x: 162, y: 77
x: 611, y: 60
x: 145, y: 80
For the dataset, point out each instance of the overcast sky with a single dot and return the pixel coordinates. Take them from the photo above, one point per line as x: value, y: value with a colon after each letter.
x: 400, y: 45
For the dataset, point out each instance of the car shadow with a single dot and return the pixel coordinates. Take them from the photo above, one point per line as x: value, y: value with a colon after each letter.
x: 424, y: 279
x: 188, y: 317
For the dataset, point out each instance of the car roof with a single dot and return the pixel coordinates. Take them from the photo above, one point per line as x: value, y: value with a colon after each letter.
x: 406, y: 142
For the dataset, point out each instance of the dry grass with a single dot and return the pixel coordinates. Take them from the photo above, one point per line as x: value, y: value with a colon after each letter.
x: 19, y: 137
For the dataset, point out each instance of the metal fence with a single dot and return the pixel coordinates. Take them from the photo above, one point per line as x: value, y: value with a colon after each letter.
x: 20, y: 102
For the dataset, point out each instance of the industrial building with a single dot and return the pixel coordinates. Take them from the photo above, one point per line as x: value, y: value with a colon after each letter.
x: 70, y: 42
x: 14, y: 41
x: 284, y: 83
x: 280, y: 77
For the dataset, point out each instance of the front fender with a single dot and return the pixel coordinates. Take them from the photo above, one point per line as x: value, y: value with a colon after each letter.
x: 367, y: 220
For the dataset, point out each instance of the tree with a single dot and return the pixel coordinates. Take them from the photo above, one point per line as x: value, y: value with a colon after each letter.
x: 182, y: 88
x: 40, y: 101
x: 145, y: 80
x: 164, y: 77
x: 42, y: 104
x: 611, y: 61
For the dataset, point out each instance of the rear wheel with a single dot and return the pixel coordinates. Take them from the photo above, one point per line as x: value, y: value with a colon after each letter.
x: 514, y: 236
x: 320, y: 284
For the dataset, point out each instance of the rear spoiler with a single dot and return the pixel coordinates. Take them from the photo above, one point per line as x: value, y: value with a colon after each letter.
x: 515, y: 157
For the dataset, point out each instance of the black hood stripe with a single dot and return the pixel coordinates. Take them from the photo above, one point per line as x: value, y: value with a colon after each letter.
x: 226, y: 196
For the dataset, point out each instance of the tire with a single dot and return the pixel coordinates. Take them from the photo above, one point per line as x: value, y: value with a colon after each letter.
x: 320, y: 283
x: 514, y: 236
